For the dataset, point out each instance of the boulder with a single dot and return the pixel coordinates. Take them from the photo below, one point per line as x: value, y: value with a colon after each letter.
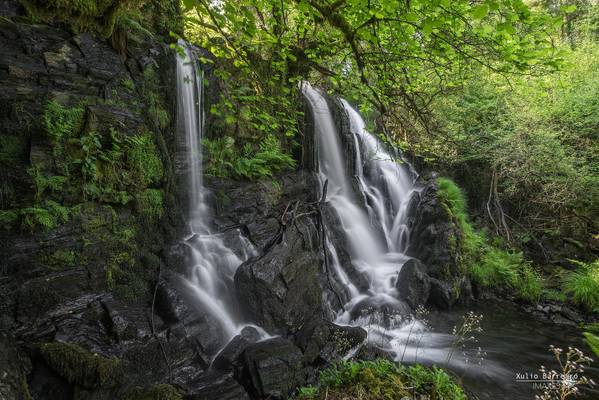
x: 271, y: 369
x: 280, y: 289
x: 324, y: 342
x: 434, y: 236
x: 413, y: 284
x: 225, y: 360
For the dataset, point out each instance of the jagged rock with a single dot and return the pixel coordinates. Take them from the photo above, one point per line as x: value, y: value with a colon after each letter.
x: 413, y: 283
x: 217, y: 386
x: 435, y: 240
x: 324, y: 342
x: 271, y: 369
x: 280, y: 289
x: 225, y: 360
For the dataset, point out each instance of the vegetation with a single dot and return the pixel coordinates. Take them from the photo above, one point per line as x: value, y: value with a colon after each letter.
x: 382, y: 379
x: 488, y: 265
x: 583, y: 285
x: 81, y: 15
x: 225, y: 160
x: 79, y: 366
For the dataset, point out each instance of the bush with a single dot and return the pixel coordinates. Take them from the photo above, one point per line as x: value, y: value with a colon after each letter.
x: 79, y: 366
x: 381, y: 379
x: 583, y: 285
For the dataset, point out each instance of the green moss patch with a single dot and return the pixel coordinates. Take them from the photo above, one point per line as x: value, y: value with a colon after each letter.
x: 79, y: 366
x: 82, y: 15
x: 382, y: 379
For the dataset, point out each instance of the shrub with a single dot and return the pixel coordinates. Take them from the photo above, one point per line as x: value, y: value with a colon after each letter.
x: 79, y: 366
x: 583, y: 285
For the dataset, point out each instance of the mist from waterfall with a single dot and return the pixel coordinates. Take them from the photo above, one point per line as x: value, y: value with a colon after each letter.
x: 213, y: 263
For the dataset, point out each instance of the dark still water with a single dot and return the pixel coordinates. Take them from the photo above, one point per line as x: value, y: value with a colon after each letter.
x: 515, y: 343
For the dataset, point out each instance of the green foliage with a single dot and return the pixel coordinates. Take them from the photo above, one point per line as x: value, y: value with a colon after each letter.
x: 151, y: 91
x: 62, y: 122
x: 143, y: 160
x: 79, y: 366
x: 128, y: 85
x: 583, y: 285
x: 45, y: 217
x: 488, y: 265
x: 592, y: 341
x: 381, y: 379
x: 150, y: 204
x: 158, y: 392
x: 224, y: 160
x: 535, y: 136
x: 81, y: 15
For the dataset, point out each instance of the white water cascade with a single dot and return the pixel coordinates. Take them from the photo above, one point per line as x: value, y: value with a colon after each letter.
x: 373, y: 216
x: 213, y: 263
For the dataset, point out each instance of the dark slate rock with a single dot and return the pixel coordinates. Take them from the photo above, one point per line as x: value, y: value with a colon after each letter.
x: 227, y: 357
x: 413, y: 283
x: 323, y: 342
x: 280, y: 289
x: 14, y: 368
x: 217, y: 386
x: 271, y: 369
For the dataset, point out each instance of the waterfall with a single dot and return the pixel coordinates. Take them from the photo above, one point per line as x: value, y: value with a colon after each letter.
x: 213, y: 263
x: 373, y: 216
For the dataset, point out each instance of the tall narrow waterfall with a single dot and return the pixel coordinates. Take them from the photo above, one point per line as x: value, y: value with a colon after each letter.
x: 213, y: 263
x: 372, y: 211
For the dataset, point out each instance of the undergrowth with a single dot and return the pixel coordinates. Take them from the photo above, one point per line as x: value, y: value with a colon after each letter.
x: 224, y: 159
x: 583, y: 285
x: 382, y: 379
x: 487, y: 264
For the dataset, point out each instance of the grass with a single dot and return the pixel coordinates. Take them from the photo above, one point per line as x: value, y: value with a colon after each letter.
x: 382, y: 379
x: 489, y: 265
x: 583, y: 285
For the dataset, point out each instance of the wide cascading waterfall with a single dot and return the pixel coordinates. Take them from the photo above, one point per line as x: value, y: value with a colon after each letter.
x: 373, y: 215
x: 213, y: 263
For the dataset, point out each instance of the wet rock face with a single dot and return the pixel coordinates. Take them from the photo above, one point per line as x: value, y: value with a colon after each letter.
x: 280, y: 289
x: 271, y: 369
x: 413, y: 283
x: 435, y: 241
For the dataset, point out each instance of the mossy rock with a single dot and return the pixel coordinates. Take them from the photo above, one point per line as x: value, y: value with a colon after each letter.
x: 158, y: 392
x: 81, y: 367
x: 82, y: 15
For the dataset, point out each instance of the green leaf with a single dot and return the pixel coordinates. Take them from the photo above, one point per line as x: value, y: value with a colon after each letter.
x: 481, y: 11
